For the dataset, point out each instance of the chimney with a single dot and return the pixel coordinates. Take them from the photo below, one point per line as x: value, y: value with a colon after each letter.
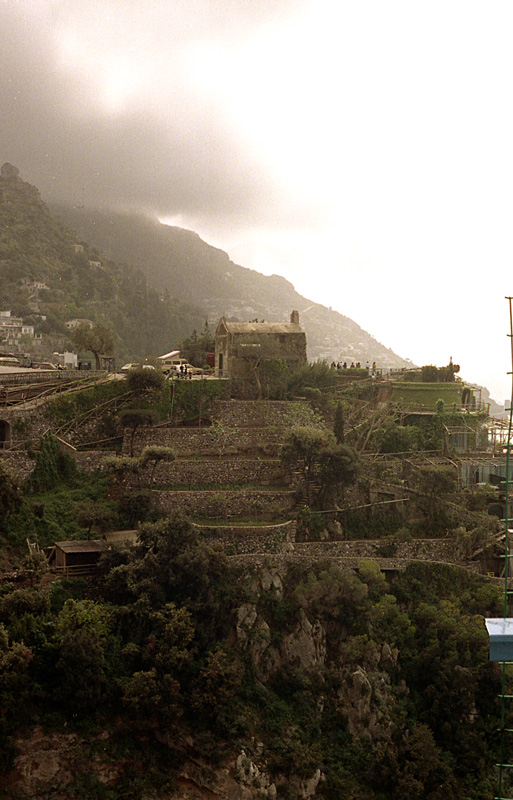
x: 294, y: 317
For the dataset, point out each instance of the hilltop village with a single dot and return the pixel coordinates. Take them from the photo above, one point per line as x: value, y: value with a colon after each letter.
x: 228, y: 570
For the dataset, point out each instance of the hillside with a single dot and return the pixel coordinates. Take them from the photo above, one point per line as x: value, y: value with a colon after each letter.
x: 180, y: 262
x: 36, y: 247
x: 151, y: 282
x: 259, y: 648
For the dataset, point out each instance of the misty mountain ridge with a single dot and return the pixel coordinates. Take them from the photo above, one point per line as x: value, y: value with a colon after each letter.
x: 151, y: 282
x: 179, y: 261
x: 78, y: 282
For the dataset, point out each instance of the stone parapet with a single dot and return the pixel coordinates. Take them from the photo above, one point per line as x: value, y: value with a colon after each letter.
x: 50, y: 376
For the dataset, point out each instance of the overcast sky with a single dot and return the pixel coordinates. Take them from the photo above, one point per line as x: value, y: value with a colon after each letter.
x: 362, y: 149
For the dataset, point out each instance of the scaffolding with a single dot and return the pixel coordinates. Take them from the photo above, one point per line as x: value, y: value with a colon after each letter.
x: 506, y: 698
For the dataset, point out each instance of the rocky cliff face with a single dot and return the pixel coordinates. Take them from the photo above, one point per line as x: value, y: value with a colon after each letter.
x: 349, y: 691
x: 51, y: 760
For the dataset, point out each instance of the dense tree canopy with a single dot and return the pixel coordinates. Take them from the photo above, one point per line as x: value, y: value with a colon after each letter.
x: 397, y: 698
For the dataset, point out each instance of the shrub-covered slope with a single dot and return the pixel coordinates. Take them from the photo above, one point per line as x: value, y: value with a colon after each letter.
x: 36, y: 247
x: 179, y: 675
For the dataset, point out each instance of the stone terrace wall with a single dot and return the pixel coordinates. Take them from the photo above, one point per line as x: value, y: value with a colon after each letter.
x: 20, y: 464
x: 90, y: 460
x: 216, y: 504
x: 418, y: 550
x: 237, y: 540
x: 264, y: 540
x: 188, y: 472
x: 283, y: 561
x: 25, y: 423
x: 206, y: 441
x: 260, y: 413
x: 240, y: 426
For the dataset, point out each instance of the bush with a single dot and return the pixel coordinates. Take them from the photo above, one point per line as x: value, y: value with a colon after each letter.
x: 133, y: 509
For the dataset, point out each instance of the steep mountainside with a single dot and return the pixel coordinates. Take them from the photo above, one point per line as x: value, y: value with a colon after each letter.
x: 36, y: 248
x: 151, y: 282
x: 180, y: 262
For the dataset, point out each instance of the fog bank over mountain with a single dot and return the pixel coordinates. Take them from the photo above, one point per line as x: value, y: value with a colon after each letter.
x: 180, y: 262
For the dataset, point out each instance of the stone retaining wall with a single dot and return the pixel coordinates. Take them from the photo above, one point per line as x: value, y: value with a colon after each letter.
x: 90, y: 460
x: 345, y: 553
x: 206, y: 441
x: 40, y: 376
x: 20, y: 464
x: 221, y: 503
x: 237, y: 540
x: 260, y: 413
x: 418, y: 550
x: 282, y: 561
x: 24, y: 423
x: 217, y: 471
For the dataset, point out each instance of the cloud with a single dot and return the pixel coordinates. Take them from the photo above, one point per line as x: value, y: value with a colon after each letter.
x: 79, y: 126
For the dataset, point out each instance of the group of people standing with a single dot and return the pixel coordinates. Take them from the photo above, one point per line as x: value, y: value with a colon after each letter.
x: 184, y: 371
x: 358, y: 365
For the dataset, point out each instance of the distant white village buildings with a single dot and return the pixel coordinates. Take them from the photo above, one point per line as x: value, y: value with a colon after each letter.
x: 66, y: 360
x: 34, y: 286
x: 71, y: 324
x: 13, y: 328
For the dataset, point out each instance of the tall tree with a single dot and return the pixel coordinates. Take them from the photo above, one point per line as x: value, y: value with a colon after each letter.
x: 196, y: 346
x: 337, y: 469
x: 98, y: 339
x: 144, y: 382
x: 302, y: 450
x: 156, y: 454
x: 137, y: 418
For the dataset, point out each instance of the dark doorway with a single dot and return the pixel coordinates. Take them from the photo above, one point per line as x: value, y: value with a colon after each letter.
x: 5, y: 434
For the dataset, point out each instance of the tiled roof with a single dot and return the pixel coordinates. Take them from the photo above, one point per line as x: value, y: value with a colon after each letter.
x: 263, y: 327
